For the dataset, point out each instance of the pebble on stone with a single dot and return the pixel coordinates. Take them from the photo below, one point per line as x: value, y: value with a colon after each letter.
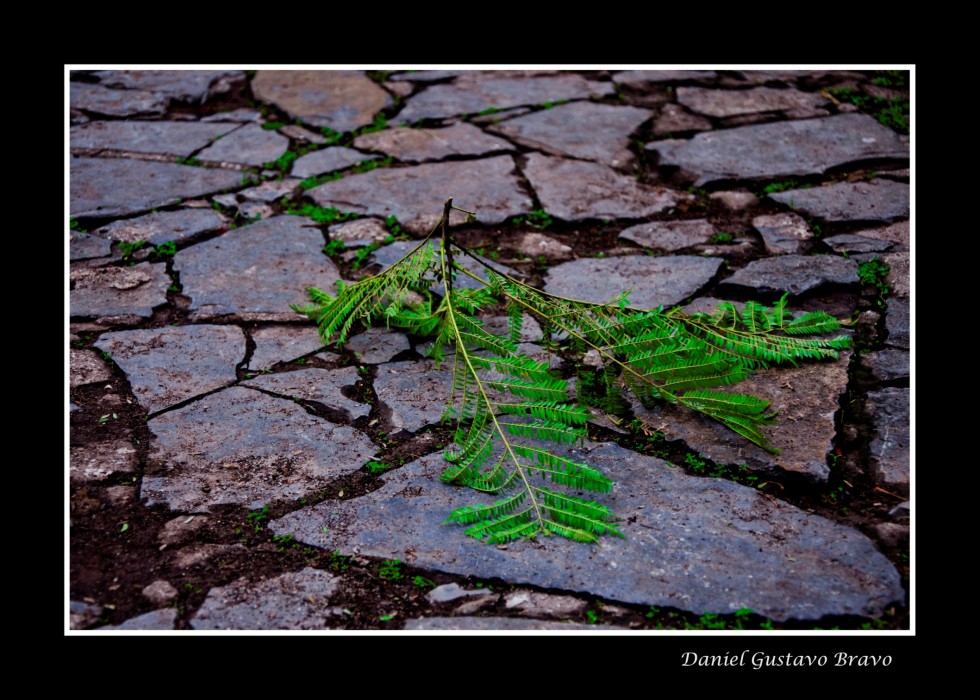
x: 781, y: 149
x: 897, y: 322
x: 417, y: 145
x: 697, y: 544
x: 85, y: 367
x: 795, y: 274
x: 488, y: 186
x: 415, y: 392
x: 586, y: 130
x: 118, y: 291
x: 533, y: 244
x: 534, y: 604
x: 315, y: 384
x: 282, y: 344
x: 360, y: 232
x: 162, y: 619
x: 856, y: 243
x: 340, y: 99
x: 98, y: 461
x: 453, y: 591
x: 183, y: 85
x: 670, y: 235
x: 328, y: 160
x: 251, y: 145
x: 642, y: 78
x: 160, y: 592
x: 164, y: 226
x: 169, y: 138
x: 82, y: 246
x: 887, y: 364
x: 171, y: 364
x: 653, y: 281
x: 729, y: 103
x: 377, y: 345
x: 256, y: 272
x: 675, y: 119
x: 475, y: 92
x: 116, y: 103
x: 242, y: 447
x: 181, y: 529
x: 574, y: 190
x: 877, y: 200
x: 783, y: 233
x: 294, y: 600
x: 735, y: 200
x: 890, y: 443
x: 119, y: 186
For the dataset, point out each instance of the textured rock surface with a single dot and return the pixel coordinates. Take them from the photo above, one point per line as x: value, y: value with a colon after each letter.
x: 115, y: 103
x: 315, y: 384
x: 171, y: 138
x: 251, y: 145
x: 256, y: 272
x: 889, y: 410
x: 532, y: 244
x: 534, y: 604
x: 281, y: 344
x: 670, y: 235
x: 121, y: 186
x: 698, y: 544
x: 243, y: 447
x: 171, y: 364
x: 416, y: 145
x: 888, y: 364
x: 377, y: 345
x: 328, y: 160
x: 897, y: 323
x: 897, y: 233
x: 164, y: 226
x: 674, y: 119
x: 163, y: 619
x: 729, y: 103
x: 81, y: 246
x: 160, y: 592
x: 783, y: 233
x: 453, y: 591
x: 118, y: 291
x: 489, y: 185
x: 639, y: 78
x: 85, y: 367
x: 390, y: 254
x: 585, y: 130
x: 341, y: 99
x: 795, y: 274
x: 183, y: 85
x: 360, y: 232
x: 294, y: 600
x: 733, y: 199
x: 498, y: 623
x: 899, y: 274
x: 781, y: 149
x: 653, y: 280
x: 99, y: 461
x: 878, y: 200
x: 414, y: 392
x: 856, y: 243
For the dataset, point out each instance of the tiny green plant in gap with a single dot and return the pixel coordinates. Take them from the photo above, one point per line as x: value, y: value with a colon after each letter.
x: 872, y: 273
x: 391, y: 570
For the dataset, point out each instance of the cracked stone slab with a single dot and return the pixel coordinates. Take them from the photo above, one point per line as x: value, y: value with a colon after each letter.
x: 85, y: 367
x: 251, y: 145
x: 121, y: 186
x: 889, y: 410
x: 240, y: 446
x: 118, y: 291
x: 182, y: 85
x: 116, y: 103
x: 806, y: 399
x: 328, y: 160
x: 856, y: 243
x: 82, y: 246
x: 498, y: 623
x: 535, y: 604
x: 730, y: 103
x: 781, y: 149
x: 315, y: 384
x: 675, y: 119
x: 795, y: 274
x: 171, y: 364
x: 235, y: 115
x: 574, y: 189
x: 282, y: 344
x: 417, y: 145
x: 257, y: 271
x: 897, y: 321
x: 587, y: 130
x: 888, y: 364
x: 488, y: 186
x: 475, y: 92
x: 340, y: 99
x: 877, y: 200
x: 784, y: 233
x: 164, y: 226
x: 162, y: 619
x: 270, y: 190
x: 654, y: 281
x: 377, y: 345
x: 98, y: 461
x: 392, y: 253
x: 670, y: 235
x: 642, y: 78
x: 360, y: 232
x: 698, y: 544
x: 415, y: 392
x: 294, y: 600
x: 169, y: 138
x: 898, y: 234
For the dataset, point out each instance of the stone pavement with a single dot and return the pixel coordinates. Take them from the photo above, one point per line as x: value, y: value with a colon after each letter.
x: 204, y: 203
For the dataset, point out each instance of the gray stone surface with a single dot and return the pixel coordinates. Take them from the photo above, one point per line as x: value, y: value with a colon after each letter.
x: 171, y: 364
x: 257, y: 271
x: 488, y: 186
x: 328, y: 160
x: 898, y: 234
x: 535, y: 604
x: 118, y: 291
x: 795, y: 274
x: 390, y: 254
x: 251, y: 145
x: 877, y: 200
x: 423, y: 76
x: 654, y: 281
x: 674, y: 119
x: 360, y: 232
x: 414, y: 392
x: 530, y: 328
x: 642, y: 78
x: 82, y: 615
x: 377, y: 345
x: 857, y: 243
x: 315, y: 384
x: 115, y: 103
x: 476, y: 92
x: 341, y: 99
x: 182, y: 85
x: 733, y: 199
x: 85, y: 367
x: 242, y: 114
x: 698, y: 544
x: 574, y: 189
x: 164, y: 226
x: 181, y: 529
x: 200, y: 554
x: 270, y: 190
x: 169, y: 138
x: 82, y: 246
x: 806, y: 399
x: 240, y: 446
x: 783, y: 233
x: 533, y: 244
x: 585, y: 130
x: 781, y: 149
x: 887, y: 364
x: 670, y: 235
x: 121, y: 186
x: 417, y: 145
x: 498, y: 623
x: 281, y: 344
x: 162, y: 619
x: 294, y: 131
x: 897, y: 323
x: 160, y: 592
x: 453, y: 591
x: 730, y: 103
x: 98, y: 461
x: 898, y: 277
x: 890, y: 444
x: 294, y: 600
